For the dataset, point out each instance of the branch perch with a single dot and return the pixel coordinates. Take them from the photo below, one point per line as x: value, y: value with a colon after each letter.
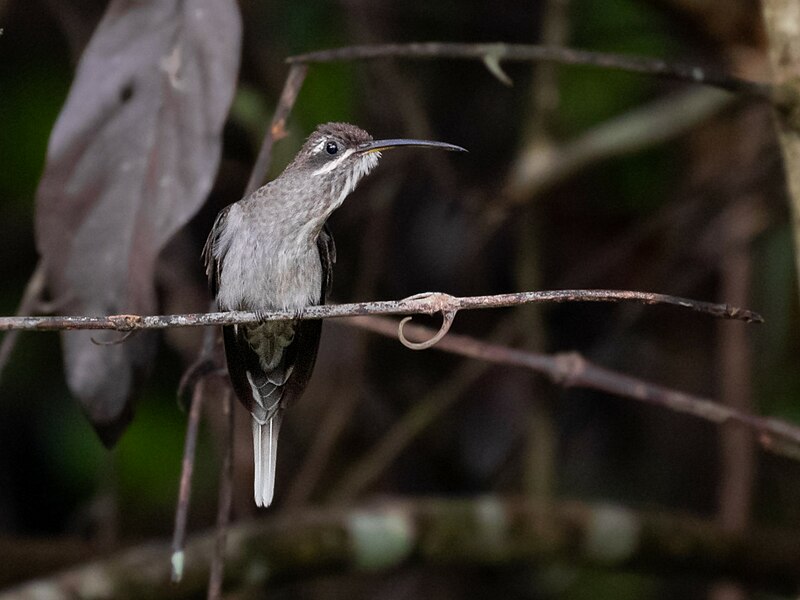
x: 493, y: 54
x: 570, y: 369
x: 428, y: 303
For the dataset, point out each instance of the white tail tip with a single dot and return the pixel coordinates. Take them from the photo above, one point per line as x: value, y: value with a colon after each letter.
x: 265, y: 450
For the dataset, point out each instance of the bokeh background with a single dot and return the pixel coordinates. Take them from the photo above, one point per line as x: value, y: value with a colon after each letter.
x: 694, y: 206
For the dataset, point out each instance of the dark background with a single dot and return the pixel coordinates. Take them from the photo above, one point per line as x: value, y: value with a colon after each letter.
x: 701, y: 215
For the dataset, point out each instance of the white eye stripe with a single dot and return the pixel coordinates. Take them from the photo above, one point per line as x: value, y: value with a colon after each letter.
x: 334, y: 163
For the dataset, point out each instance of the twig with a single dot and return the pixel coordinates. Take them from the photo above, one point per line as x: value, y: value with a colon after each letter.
x: 185, y: 490
x: 463, y: 534
x: 538, y: 169
x: 277, y: 128
x: 540, y: 449
x: 738, y: 456
x: 30, y: 298
x: 428, y: 303
x: 572, y: 370
x: 493, y: 54
x: 205, y: 364
x: 225, y: 497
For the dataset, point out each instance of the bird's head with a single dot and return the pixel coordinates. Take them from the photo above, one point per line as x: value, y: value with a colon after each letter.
x: 336, y: 156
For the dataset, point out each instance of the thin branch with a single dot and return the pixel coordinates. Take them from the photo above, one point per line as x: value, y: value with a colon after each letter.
x: 185, y: 489
x: 277, y: 128
x: 493, y: 54
x: 537, y: 169
x: 429, y: 304
x: 572, y: 370
x: 540, y: 447
x: 464, y: 534
x: 225, y: 498
x: 30, y: 298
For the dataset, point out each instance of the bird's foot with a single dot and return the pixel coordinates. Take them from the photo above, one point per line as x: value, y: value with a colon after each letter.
x: 261, y: 316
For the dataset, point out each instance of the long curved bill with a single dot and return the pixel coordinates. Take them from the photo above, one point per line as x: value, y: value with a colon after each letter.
x: 381, y: 145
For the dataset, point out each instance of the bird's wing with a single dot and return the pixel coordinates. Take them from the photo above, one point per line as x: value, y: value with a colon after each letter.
x: 213, y: 265
x: 327, y: 256
x: 307, y: 333
x: 259, y: 367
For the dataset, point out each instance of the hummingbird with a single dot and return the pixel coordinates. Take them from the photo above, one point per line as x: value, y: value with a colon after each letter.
x: 272, y: 250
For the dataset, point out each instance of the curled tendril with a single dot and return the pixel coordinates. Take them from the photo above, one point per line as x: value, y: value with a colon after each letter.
x: 492, y: 62
x: 448, y: 316
x: 120, y: 340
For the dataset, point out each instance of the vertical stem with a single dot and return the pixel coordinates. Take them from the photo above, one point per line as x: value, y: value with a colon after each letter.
x: 737, y: 447
x: 30, y: 298
x: 277, y: 128
x: 783, y: 33
x: 185, y: 490
x: 225, y: 497
x: 539, y: 473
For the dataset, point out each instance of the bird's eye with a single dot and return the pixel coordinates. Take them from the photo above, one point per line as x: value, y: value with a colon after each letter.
x: 331, y: 148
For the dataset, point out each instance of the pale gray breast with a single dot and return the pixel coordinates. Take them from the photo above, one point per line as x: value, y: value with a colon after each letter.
x: 263, y: 266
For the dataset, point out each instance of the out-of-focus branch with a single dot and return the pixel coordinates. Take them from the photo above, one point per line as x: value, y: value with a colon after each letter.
x: 493, y: 54
x: 541, y: 442
x: 30, y: 299
x: 217, y: 574
x: 538, y: 168
x: 428, y: 303
x: 185, y: 489
x: 484, y: 532
x: 277, y: 128
x: 780, y: 17
x: 738, y: 458
x: 572, y: 370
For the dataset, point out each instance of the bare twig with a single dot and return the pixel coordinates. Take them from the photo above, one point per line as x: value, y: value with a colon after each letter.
x: 185, y: 490
x: 27, y: 305
x: 225, y: 497
x: 738, y: 457
x: 572, y: 370
x: 493, y: 54
x: 277, y: 128
x: 474, y: 533
x: 429, y: 303
x: 541, y: 440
